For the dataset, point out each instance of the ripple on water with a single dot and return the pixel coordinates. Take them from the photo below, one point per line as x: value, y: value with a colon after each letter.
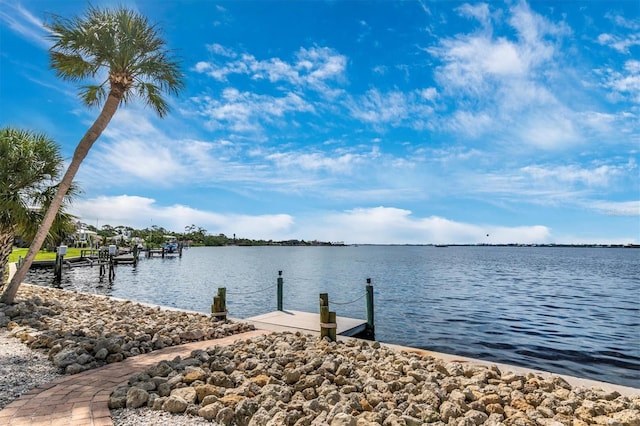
x: 567, y: 310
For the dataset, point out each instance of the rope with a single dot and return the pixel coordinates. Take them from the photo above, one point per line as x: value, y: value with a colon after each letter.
x: 348, y: 303
x: 251, y: 292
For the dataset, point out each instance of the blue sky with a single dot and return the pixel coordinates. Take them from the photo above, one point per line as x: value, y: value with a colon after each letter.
x: 363, y: 122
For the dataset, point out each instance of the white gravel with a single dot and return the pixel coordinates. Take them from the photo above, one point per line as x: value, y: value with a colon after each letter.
x: 147, y: 416
x: 21, y: 369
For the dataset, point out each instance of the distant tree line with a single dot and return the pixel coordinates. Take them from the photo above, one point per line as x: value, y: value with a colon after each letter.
x: 194, y: 236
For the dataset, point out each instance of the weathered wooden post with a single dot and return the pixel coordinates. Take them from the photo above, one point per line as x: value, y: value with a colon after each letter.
x: 112, y: 252
x: 135, y: 254
x: 327, y: 319
x: 163, y: 252
x: 180, y: 249
x: 280, y: 282
x: 371, y: 331
x: 101, y: 262
x: 332, y: 328
x: 219, y: 307
x: 324, y: 314
x: 60, y: 252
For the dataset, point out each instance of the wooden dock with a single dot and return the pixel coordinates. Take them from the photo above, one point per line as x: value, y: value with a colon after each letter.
x: 305, y: 321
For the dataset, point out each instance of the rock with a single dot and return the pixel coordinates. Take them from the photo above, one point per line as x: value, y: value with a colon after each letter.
x: 449, y: 410
x: 343, y: 419
x: 193, y: 374
x: 187, y: 394
x: 162, y: 369
x: 225, y: 416
x: 74, y: 368
x: 245, y: 409
x: 210, y: 411
x: 476, y: 417
x: 136, y: 397
x: 102, y: 354
x: 174, y: 404
x: 629, y: 417
x: 118, y: 398
x: 203, y: 391
x: 65, y: 357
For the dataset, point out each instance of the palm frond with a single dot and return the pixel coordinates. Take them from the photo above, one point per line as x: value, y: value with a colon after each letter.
x: 93, y: 95
x: 125, y: 45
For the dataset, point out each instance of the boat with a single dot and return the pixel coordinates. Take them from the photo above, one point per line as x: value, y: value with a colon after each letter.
x: 170, y: 244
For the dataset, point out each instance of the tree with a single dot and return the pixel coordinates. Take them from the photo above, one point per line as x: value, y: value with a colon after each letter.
x: 30, y: 167
x: 121, y: 45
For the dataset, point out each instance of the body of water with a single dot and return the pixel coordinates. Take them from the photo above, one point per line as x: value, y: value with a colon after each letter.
x: 571, y: 311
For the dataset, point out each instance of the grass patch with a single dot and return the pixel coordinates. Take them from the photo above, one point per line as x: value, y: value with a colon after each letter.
x: 42, y: 254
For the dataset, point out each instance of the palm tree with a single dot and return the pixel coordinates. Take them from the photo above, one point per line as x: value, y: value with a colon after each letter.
x: 30, y: 167
x: 121, y: 45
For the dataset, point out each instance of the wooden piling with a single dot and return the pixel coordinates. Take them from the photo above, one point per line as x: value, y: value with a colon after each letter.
x: 112, y: 271
x: 219, y: 307
x: 327, y: 319
x: 57, y: 268
x: 332, y: 330
x: 370, y: 333
x: 324, y: 314
x: 280, y: 285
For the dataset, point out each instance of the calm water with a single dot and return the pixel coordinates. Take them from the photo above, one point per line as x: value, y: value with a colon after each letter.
x: 573, y: 311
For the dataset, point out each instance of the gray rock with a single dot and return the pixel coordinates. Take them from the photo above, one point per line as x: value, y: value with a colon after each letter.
x: 343, y: 419
x: 101, y: 354
x: 187, y: 394
x: 225, y: 416
x: 210, y: 411
x: 175, y: 404
x: 244, y: 411
x: 136, y: 397
x: 65, y: 357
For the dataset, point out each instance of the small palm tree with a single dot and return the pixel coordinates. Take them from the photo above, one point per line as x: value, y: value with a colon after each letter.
x: 30, y: 167
x: 121, y: 45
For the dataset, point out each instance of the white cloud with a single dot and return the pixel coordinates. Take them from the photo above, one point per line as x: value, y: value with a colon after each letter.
x: 394, y: 107
x: 25, y: 24
x: 246, y: 112
x: 378, y: 225
x: 616, y: 208
x: 315, y: 161
x: 504, y: 85
x: 600, y: 176
x: 625, y: 83
x: 479, y: 11
x: 378, y: 108
x: 628, y: 38
x: 142, y: 212
x: 311, y: 68
x: 388, y: 225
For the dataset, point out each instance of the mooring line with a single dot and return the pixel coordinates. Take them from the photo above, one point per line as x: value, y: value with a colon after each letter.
x: 347, y: 303
x: 251, y: 292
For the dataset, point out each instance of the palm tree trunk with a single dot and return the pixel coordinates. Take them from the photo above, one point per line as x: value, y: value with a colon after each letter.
x: 6, y: 245
x: 108, y: 110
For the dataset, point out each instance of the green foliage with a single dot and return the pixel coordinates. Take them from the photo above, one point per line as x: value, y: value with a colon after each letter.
x: 30, y: 166
x: 121, y: 45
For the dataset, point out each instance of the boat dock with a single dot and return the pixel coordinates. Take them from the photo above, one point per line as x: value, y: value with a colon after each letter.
x: 306, y: 322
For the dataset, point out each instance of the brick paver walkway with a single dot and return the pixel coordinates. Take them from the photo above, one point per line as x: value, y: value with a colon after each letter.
x: 81, y: 399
